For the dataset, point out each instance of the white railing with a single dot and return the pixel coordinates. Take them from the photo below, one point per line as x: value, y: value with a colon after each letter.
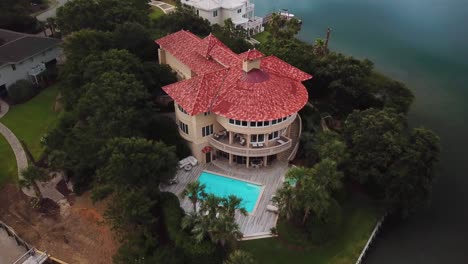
x: 296, y: 147
x: 371, y: 239
x: 250, y: 152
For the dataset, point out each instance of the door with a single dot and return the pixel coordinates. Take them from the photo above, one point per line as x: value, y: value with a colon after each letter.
x: 3, y: 91
x: 208, y: 157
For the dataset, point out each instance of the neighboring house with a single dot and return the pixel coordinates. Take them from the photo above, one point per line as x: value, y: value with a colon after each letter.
x: 241, y: 107
x: 241, y: 12
x: 24, y: 56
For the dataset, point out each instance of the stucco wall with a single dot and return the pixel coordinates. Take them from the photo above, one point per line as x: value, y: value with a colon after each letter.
x: 8, y: 76
x: 209, y: 15
x: 175, y: 64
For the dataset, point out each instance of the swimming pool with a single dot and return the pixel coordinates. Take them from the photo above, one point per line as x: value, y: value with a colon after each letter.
x: 224, y: 186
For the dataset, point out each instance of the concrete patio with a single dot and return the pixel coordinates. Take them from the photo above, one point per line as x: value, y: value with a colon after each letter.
x: 257, y: 224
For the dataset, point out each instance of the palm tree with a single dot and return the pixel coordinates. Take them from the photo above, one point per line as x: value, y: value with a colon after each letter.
x: 210, y: 206
x: 240, y: 257
x: 285, y: 201
x: 231, y: 204
x: 194, y: 191
x: 320, y: 48
x: 224, y: 231
x: 31, y: 175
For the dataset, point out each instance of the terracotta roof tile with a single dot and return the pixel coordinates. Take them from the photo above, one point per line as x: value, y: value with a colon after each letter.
x: 273, y: 91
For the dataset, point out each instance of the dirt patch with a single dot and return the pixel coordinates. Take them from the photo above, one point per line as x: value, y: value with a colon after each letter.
x: 79, y: 236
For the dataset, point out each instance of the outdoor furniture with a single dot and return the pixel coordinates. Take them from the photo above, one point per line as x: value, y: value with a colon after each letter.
x: 188, y: 163
x: 272, y: 208
x: 260, y: 145
x: 173, y: 180
x: 254, y: 145
x: 242, y: 141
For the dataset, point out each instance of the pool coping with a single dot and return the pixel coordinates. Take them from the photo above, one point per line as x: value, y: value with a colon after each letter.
x: 248, y: 181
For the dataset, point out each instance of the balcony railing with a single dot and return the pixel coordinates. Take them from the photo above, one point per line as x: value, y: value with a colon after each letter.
x: 281, y: 145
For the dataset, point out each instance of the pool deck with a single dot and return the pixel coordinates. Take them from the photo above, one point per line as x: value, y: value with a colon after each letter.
x: 257, y: 224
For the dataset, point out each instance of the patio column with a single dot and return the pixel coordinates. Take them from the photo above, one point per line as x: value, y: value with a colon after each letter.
x: 230, y: 158
x: 231, y: 138
x: 248, y: 140
x: 248, y: 161
x: 265, y: 161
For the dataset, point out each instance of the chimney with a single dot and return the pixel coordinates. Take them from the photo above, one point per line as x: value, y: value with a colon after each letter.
x: 248, y: 65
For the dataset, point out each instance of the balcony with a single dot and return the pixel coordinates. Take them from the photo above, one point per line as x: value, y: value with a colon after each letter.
x: 254, y: 149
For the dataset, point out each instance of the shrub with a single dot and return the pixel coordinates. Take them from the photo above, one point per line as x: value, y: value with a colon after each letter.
x: 21, y: 91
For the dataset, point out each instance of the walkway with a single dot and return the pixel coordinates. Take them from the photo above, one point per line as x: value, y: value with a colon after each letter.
x: 165, y: 7
x: 52, y: 11
x: 48, y: 189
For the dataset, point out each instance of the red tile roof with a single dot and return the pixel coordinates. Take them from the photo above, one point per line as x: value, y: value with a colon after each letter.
x: 273, y: 91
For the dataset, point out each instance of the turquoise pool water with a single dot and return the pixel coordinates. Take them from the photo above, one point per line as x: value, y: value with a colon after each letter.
x: 225, y: 186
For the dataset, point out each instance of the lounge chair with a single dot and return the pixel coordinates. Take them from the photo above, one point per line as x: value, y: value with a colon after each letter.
x: 272, y: 208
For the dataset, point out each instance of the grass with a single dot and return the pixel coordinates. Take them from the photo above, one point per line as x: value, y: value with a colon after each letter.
x: 262, y: 37
x: 359, y: 218
x: 31, y: 120
x: 8, y: 171
x: 156, y: 13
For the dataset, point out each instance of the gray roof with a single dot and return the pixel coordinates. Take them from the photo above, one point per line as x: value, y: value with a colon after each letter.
x: 19, y: 46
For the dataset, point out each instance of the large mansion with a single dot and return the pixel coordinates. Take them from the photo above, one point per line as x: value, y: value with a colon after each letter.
x: 241, y: 12
x: 238, y: 107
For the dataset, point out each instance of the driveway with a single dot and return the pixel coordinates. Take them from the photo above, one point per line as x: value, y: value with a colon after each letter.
x: 51, y: 12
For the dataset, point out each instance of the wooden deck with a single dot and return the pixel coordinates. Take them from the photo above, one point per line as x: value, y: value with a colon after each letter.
x: 260, y: 221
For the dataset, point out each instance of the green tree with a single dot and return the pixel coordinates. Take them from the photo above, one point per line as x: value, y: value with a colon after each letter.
x: 31, y: 176
x: 114, y: 104
x: 136, y: 39
x: 194, y: 191
x: 132, y: 170
x: 410, y: 183
x: 320, y: 49
x: 375, y: 140
x: 285, y: 200
x: 240, y: 257
x: 100, y: 15
x: 232, y: 203
x: 183, y: 18
x: 15, y: 16
x: 329, y: 145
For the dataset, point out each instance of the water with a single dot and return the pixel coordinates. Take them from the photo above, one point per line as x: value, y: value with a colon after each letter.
x: 423, y: 43
x: 224, y: 186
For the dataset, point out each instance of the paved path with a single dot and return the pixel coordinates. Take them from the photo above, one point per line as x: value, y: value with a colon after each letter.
x: 52, y: 11
x: 48, y: 189
x: 165, y: 7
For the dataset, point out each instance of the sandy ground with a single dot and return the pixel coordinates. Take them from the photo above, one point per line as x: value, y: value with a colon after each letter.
x: 76, y: 234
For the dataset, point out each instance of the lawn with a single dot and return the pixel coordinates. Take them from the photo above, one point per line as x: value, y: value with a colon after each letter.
x: 8, y: 171
x: 359, y: 218
x: 32, y: 119
x: 156, y: 13
x: 262, y: 37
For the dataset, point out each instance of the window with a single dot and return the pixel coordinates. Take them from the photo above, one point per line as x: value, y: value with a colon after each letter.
x: 13, y: 67
x: 183, y: 127
x: 259, y: 123
x: 273, y: 135
x: 207, y: 113
x: 182, y: 109
x: 253, y: 124
x: 215, y: 13
x: 208, y: 130
x: 231, y: 121
x: 198, y: 12
x: 257, y: 138
x: 239, y: 11
x: 244, y: 123
x: 238, y: 122
x: 266, y: 123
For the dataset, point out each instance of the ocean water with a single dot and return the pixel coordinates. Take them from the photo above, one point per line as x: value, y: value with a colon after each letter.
x: 224, y: 186
x: 423, y: 43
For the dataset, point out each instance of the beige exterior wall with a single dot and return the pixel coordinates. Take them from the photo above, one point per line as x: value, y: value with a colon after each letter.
x: 181, y: 69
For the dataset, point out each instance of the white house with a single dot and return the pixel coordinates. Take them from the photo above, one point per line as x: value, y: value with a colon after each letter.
x: 241, y: 12
x: 24, y: 56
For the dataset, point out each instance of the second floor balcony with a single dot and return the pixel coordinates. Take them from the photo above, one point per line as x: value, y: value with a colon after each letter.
x: 238, y: 144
